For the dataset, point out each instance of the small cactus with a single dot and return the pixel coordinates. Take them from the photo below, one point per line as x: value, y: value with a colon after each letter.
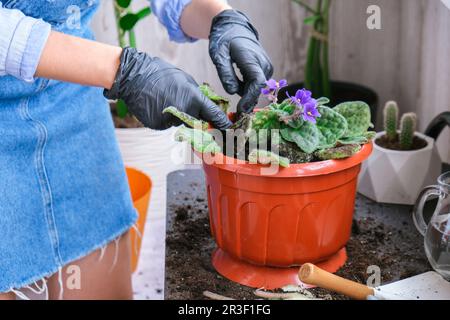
x: 391, y: 120
x: 407, y: 130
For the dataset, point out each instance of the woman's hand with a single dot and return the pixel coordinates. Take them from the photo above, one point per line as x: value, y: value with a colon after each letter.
x: 148, y: 85
x: 234, y: 40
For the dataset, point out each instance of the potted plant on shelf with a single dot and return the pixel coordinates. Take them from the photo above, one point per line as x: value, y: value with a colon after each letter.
x: 317, y: 70
x: 268, y: 222
x: 403, y: 161
x: 133, y: 138
x: 126, y: 21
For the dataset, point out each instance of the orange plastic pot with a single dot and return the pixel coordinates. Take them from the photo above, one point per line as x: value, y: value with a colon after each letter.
x: 140, y: 187
x: 267, y: 226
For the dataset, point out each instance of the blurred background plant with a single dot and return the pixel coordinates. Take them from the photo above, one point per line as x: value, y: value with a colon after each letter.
x: 126, y: 21
x: 317, y: 71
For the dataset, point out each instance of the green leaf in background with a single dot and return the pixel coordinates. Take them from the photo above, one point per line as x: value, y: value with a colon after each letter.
x: 311, y: 20
x: 307, y: 137
x: 332, y: 126
x: 122, y: 109
x: 123, y: 3
x: 357, y: 114
x: 128, y: 21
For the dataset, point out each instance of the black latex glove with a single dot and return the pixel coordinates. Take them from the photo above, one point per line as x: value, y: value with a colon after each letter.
x: 148, y: 85
x: 233, y: 39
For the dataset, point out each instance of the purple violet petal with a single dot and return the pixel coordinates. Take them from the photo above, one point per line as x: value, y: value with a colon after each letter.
x: 265, y: 91
x: 283, y: 83
x: 271, y: 84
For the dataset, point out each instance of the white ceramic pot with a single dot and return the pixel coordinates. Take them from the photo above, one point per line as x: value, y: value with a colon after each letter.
x: 397, y: 177
x: 152, y: 153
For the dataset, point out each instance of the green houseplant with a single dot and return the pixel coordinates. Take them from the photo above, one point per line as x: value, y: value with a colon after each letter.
x: 126, y: 21
x: 317, y: 68
x: 317, y: 71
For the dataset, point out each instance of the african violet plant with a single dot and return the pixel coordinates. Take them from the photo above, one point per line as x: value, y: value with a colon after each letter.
x: 308, y: 129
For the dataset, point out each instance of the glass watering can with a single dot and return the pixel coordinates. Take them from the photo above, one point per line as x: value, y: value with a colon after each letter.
x: 437, y: 233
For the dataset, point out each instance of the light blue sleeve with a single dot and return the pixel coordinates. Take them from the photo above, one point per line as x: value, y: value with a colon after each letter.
x: 169, y: 14
x: 22, y: 40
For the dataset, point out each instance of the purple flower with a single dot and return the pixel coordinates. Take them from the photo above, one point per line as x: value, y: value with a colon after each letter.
x: 303, y: 101
x: 283, y: 83
x: 275, y: 85
x: 310, y: 113
x: 301, y: 98
x: 272, y: 88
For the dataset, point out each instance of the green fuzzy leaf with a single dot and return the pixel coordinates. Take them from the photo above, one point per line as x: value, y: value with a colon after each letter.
x: 307, y: 137
x: 201, y: 141
x: 323, y: 101
x: 267, y: 119
x: 267, y: 157
x: 222, y: 102
x: 358, y: 117
x: 370, y: 135
x: 332, y: 126
x: 354, y: 140
x: 286, y: 106
x: 295, y: 124
x: 187, y: 119
x: 342, y: 152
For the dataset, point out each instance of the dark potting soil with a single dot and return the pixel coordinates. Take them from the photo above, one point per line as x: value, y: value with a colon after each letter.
x: 382, y: 235
x: 418, y: 143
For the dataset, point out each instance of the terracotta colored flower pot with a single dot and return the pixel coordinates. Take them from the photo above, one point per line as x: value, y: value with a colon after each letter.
x: 267, y: 226
x: 140, y: 187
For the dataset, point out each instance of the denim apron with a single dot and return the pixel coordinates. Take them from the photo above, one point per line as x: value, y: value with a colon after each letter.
x: 63, y: 187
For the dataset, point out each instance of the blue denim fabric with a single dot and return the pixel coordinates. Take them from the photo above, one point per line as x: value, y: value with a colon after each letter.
x: 63, y: 186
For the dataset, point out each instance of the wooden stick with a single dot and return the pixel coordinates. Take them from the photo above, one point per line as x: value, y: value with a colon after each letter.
x: 215, y: 296
x: 312, y: 275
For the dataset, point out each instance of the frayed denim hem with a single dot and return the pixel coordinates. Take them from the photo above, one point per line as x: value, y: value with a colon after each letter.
x: 16, y: 287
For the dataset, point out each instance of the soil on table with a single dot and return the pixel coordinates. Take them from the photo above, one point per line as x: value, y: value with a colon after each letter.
x: 381, y: 236
x: 418, y: 143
